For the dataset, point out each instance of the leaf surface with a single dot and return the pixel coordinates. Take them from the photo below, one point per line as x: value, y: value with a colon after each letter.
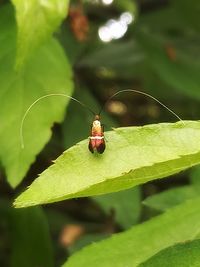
x: 184, y: 255
x: 170, y: 198
x: 37, y: 20
x: 47, y: 72
x: 134, y: 155
x: 141, y: 242
x: 195, y: 178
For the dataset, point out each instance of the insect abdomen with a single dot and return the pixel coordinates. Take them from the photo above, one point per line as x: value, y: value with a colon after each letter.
x: 98, y: 143
x: 97, y: 138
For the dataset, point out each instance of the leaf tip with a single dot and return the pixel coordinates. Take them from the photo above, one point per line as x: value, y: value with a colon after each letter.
x: 18, y: 204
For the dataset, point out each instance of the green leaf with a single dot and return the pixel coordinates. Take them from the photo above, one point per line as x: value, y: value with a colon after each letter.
x: 70, y: 43
x: 85, y: 240
x: 182, y: 72
x: 183, y: 255
x: 158, y: 20
x: 31, y: 244
x: 143, y: 241
x: 125, y: 204
x: 47, y: 72
x: 195, y: 178
x: 127, y: 5
x: 106, y: 59
x: 189, y: 11
x: 134, y: 155
x: 25, y: 234
x: 37, y: 20
x: 170, y: 198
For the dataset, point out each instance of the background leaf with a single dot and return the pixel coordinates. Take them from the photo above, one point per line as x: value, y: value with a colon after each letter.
x: 174, y: 196
x: 25, y: 237
x: 47, y: 72
x: 183, y: 255
x: 37, y: 20
x: 31, y: 240
x: 86, y: 240
x: 170, y: 198
x: 195, y: 178
x: 126, y: 205
x: 105, y: 59
x: 189, y: 11
x: 181, y: 71
x: 141, y: 242
x: 134, y: 155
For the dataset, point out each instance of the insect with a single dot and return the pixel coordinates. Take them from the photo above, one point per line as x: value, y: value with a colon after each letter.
x: 96, y: 138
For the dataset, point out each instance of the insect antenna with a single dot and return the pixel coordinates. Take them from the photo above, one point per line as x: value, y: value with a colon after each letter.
x: 142, y: 93
x: 36, y: 101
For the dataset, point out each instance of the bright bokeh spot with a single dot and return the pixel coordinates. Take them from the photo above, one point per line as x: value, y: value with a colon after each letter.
x: 107, y: 2
x: 104, y: 34
x: 115, y: 29
x: 126, y: 17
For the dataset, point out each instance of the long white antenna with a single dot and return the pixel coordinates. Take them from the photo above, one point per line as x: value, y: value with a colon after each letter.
x: 35, y: 102
x: 142, y: 93
x: 82, y: 104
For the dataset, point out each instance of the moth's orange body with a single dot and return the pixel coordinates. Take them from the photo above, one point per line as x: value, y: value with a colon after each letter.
x: 96, y: 139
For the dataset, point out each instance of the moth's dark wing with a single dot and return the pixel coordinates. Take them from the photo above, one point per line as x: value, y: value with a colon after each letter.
x: 91, y: 146
x: 101, y: 147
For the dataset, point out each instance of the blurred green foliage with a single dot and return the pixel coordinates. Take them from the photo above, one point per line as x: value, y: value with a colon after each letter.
x: 46, y: 44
